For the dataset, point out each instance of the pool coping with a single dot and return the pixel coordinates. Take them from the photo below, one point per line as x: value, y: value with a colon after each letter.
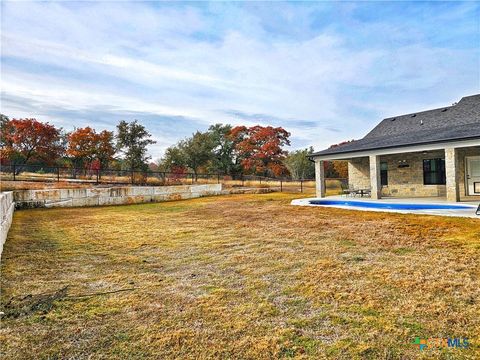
x: 440, y: 212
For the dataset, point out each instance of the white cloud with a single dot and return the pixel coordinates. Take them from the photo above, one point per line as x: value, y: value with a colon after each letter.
x: 179, y: 60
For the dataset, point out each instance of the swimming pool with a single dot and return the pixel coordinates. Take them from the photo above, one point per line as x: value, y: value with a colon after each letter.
x: 406, y: 206
x: 391, y: 206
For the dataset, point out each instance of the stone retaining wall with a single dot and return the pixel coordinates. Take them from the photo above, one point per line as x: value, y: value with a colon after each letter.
x: 110, y: 196
x: 7, y: 206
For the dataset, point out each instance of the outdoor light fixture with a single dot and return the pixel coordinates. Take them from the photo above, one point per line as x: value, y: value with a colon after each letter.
x: 403, y: 164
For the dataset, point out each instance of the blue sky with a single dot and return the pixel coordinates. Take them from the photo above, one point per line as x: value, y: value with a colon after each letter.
x: 325, y: 71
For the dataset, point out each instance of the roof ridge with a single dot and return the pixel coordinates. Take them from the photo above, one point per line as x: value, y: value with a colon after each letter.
x: 420, y: 112
x: 439, y: 108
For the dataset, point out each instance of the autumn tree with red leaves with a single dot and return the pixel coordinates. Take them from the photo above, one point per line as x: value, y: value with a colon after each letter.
x: 105, y: 148
x: 26, y: 140
x: 341, y: 143
x: 337, y: 168
x: 341, y: 168
x: 261, y: 148
x: 89, y: 148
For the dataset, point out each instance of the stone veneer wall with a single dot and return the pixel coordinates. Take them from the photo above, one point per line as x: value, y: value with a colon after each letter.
x: 111, y: 196
x: 359, y: 173
x: 408, y: 182
x: 7, y: 206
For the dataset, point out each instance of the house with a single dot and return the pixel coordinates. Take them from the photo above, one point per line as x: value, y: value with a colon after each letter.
x: 433, y: 153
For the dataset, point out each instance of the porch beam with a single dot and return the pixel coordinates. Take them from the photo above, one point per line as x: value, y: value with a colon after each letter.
x: 320, y: 178
x: 398, y: 150
x: 375, y: 178
x: 452, y: 174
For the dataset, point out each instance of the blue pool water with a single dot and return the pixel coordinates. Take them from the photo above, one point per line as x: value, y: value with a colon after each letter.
x: 392, y: 206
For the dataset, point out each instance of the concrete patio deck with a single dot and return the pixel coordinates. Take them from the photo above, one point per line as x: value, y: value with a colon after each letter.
x: 460, y: 212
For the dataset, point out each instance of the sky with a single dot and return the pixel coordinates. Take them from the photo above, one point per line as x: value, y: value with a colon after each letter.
x: 325, y: 71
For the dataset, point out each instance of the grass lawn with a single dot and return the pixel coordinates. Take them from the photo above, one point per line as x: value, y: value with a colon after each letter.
x: 241, y: 276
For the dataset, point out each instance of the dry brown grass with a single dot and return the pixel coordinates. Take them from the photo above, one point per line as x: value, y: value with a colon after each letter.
x: 40, y: 185
x: 244, y: 276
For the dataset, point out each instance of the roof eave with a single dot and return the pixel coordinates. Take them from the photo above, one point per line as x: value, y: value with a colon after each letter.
x: 347, y: 153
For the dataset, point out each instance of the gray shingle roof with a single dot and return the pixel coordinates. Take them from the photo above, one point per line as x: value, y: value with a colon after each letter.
x: 456, y: 122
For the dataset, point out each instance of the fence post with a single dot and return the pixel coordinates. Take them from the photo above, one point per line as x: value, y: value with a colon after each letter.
x: 301, y: 185
x: 133, y: 177
x: 193, y: 178
x: 98, y: 177
x: 281, y: 185
x: 242, y: 181
x: 58, y: 173
x: 14, y: 172
x: 218, y: 178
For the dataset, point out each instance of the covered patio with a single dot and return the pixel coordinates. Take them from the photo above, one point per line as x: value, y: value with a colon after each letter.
x: 429, y: 154
x: 433, y: 153
x: 450, y: 173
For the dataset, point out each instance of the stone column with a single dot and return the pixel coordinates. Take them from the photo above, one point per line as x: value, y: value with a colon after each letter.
x: 320, y: 178
x: 451, y: 172
x: 375, y: 178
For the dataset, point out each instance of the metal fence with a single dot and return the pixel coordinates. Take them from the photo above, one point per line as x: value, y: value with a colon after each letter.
x: 100, y: 176
x: 74, y: 176
x: 333, y: 186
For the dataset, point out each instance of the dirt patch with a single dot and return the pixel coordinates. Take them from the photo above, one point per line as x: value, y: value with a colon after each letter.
x: 32, y: 304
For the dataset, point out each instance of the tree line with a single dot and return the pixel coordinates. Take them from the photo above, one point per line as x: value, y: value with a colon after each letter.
x: 29, y: 141
x: 222, y: 148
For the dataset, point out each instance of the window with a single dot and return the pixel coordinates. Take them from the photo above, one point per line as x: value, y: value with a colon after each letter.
x: 434, y: 172
x: 384, y: 173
